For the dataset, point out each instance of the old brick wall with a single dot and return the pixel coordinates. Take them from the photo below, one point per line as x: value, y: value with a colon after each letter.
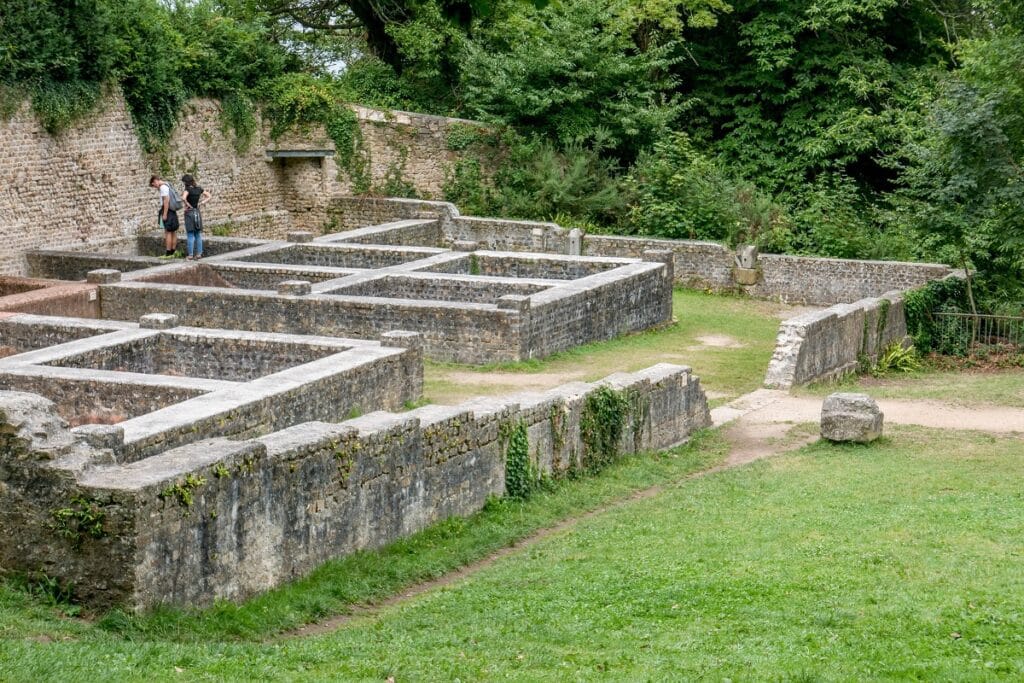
x: 87, y: 188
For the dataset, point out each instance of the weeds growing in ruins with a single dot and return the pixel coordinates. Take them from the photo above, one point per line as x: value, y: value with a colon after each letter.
x: 601, y: 425
x: 183, y: 490
x: 83, y: 518
x: 520, y: 474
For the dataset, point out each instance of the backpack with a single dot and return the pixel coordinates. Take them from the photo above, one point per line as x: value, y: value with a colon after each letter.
x: 174, y: 202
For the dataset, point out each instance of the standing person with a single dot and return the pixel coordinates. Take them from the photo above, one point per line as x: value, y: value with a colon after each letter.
x: 167, y: 215
x: 195, y: 196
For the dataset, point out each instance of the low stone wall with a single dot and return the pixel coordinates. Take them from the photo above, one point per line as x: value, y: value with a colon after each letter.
x: 804, y: 279
x: 704, y: 265
x: 832, y: 342
x: 25, y: 332
x: 509, y: 235
x: 62, y: 265
x: 470, y: 306
x: 169, y: 387
x: 696, y: 264
x: 347, y: 213
x: 49, y: 297
x: 463, y: 332
x: 225, y: 519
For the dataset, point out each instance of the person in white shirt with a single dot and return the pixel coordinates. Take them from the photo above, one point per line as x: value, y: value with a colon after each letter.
x: 167, y: 217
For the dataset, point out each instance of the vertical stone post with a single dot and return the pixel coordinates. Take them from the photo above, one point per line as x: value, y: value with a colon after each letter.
x: 575, y: 242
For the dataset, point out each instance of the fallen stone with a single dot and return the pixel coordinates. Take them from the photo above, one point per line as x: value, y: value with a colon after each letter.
x: 850, y: 417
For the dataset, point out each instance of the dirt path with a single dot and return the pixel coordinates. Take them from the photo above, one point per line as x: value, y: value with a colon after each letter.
x: 766, y: 406
x: 758, y: 425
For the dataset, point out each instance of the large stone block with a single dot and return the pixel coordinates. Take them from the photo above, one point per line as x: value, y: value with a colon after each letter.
x: 850, y: 417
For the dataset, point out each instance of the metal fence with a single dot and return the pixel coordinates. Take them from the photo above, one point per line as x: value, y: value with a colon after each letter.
x: 967, y: 332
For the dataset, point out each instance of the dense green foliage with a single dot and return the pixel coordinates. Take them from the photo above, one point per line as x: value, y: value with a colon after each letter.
x: 847, y: 128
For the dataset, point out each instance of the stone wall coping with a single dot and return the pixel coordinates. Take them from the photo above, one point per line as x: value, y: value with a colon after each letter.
x: 101, y: 326
x: 845, y: 261
x: 434, y: 414
x: 286, y: 441
x: 77, y: 347
x: 380, y: 421
x: 660, y: 371
x: 443, y: 207
x: 470, y: 220
x: 159, y: 471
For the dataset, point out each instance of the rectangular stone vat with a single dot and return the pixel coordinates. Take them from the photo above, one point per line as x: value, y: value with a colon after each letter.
x: 172, y: 387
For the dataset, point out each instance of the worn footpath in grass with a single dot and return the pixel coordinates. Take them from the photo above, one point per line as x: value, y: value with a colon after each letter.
x: 1001, y: 387
x: 899, y: 560
x: 728, y: 341
x: 362, y: 578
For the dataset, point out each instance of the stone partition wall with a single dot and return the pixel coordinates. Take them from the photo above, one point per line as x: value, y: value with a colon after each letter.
x: 50, y: 186
x: 704, y: 265
x: 174, y: 385
x: 473, y: 306
x: 221, y: 519
x: 49, y: 297
x: 830, y: 343
x: 348, y: 213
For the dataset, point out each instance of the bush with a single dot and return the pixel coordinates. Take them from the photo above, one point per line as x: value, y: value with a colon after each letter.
x: 948, y: 295
x: 678, y: 192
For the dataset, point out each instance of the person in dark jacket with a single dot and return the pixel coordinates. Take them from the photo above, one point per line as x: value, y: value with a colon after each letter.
x: 195, y: 197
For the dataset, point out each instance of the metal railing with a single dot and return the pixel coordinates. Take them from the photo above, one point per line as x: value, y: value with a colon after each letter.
x: 964, y: 332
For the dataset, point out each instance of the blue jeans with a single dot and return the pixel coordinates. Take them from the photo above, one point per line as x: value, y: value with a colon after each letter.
x: 195, y: 243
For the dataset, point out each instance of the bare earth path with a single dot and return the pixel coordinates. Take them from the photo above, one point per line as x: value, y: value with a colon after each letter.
x: 757, y: 425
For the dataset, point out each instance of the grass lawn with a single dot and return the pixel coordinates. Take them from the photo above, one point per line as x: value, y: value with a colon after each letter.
x: 898, y: 560
x: 727, y: 340
x: 1003, y: 387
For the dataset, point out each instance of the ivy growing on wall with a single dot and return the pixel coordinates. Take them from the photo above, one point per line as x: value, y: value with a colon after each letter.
x: 601, y: 425
x: 520, y: 475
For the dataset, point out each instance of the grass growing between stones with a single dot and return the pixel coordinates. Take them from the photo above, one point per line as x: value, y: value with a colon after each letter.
x: 897, y: 560
x: 728, y: 341
x: 368, y: 576
x: 1002, y: 387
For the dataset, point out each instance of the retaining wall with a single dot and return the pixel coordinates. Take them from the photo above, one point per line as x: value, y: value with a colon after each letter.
x: 830, y: 343
x: 49, y: 184
x: 227, y: 519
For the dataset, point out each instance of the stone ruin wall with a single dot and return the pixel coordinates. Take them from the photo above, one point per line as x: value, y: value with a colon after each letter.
x: 87, y: 187
x: 266, y: 510
x: 706, y: 265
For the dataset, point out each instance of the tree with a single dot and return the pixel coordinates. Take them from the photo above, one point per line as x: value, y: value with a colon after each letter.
x: 964, y: 182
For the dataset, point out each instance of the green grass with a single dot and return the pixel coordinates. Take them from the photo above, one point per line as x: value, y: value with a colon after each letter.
x: 1003, y: 387
x: 367, y: 577
x: 752, y: 324
x: 900, y: 560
